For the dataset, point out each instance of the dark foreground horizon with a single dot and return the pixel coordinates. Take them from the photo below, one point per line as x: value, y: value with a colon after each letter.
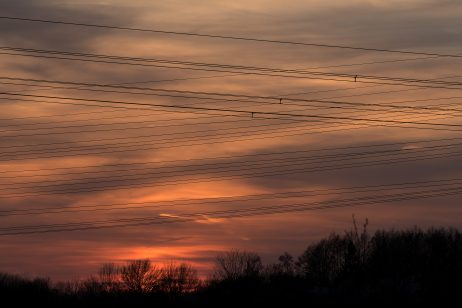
x: 412, y: 266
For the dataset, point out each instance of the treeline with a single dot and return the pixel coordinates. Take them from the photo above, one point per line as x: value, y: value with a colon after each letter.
x: 354, y: 268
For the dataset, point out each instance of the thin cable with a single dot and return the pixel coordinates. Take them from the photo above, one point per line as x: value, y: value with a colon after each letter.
x: 220, y: 200
x: 243, y: 198
x: 61, y: 22
x: 273, y: 72
x: 248, y: 112
x: 203, y: 161
x: 457, y: 189
x: 234, y: 213
x: 210, y: 95
x: 239, y: 176
x: 328, y: 149
x: 233, y: 166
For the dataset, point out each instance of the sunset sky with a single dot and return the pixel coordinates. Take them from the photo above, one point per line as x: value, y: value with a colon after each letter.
x: 123, y: 166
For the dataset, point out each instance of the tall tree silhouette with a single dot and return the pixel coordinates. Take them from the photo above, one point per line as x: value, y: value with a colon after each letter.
x: 177, y: 279
x: 109, y: 277
x: 235, y: 264
x: 140, y: 276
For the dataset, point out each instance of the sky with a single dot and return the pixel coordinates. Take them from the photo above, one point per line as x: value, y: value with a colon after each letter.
x: 75, y: 155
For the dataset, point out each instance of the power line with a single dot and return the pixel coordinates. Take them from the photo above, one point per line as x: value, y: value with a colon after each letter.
x: 229, y: 199
x: 13, y: 146
x: 154, y: 142
x: 283, y: 95
x: 251, y: 70
x: 160, y: 145
x: 173, y: 133
x: 250, y: 138
x: 119, y: 108
x: 248, y: 165
x: 252, y: 73
x: 145, y: 81
x: 278, y: 206
x: 247, y: 112
x: 252, y: 197
x: 246, y: 119
x: 193, y: 144
x: 261, y: 40
x: 248, y: 212
x: 328, y: 149
x: 126, y: 116
x: 203, y: 117
x: 280, y: 95
x: 122, y: 128
x: 226, y: 66
x: 211, y: 95
x: 241, y: 138
x: 263, y: 154
x: 245, y: 175
x: 380, y: 152
x: 337, y: 105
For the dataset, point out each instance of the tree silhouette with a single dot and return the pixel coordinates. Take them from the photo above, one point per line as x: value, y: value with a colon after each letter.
x: 109, y: 277
x: 177, y: 279
x: 140, y: 276
x: 412, y: 267
x: 235, y: 264
x: 324, y: 261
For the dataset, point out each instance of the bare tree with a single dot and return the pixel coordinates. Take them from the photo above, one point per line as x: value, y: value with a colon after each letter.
x: 70, y: 287
x: 90, y: 285
x: 285, y: 266
x: 178, y: 278
x: 359, y: 241
x: 237, y: 264
x: 109, y: 277
x: 140, y: 276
